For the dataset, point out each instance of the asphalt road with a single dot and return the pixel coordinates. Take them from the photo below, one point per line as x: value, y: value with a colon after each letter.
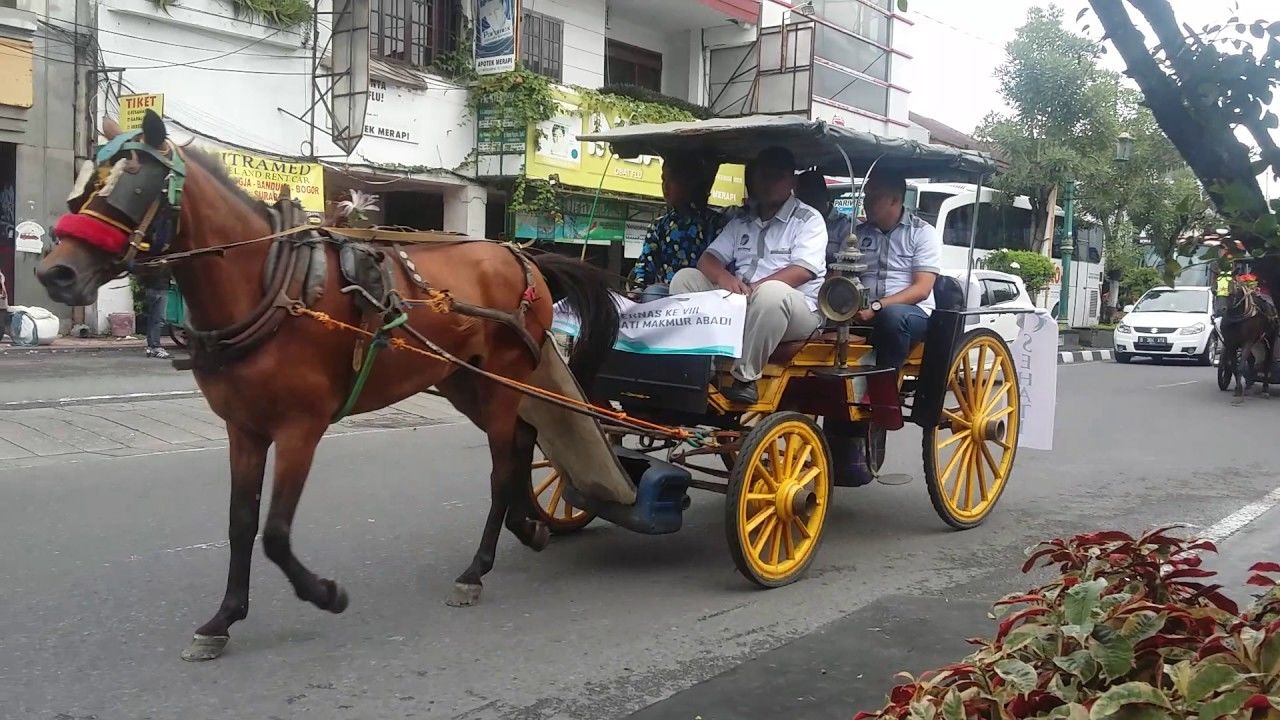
x: 49, y: 376
x: 108, y: 566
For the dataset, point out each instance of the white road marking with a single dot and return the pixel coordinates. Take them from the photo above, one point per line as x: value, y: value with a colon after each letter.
x: 104, y: 398
x: 1177, y: 384
x: 1236, y: 521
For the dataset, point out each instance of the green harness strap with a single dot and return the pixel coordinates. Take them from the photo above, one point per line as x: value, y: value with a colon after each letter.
x: 378, y: 342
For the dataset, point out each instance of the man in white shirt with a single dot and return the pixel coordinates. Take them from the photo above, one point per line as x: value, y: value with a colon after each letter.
x: 903, y: 255
x: 777, y: 249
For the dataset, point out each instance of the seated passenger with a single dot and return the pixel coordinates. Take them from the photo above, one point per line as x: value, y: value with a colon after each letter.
x: 903, y: 254
x: 811, y: 188
x: 777, y: 249
x: 677, y: 239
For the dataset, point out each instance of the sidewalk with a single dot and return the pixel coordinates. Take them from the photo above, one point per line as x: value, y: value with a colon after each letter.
x: 96, y: 344
x: 118, y: 427
x: 849, y: 665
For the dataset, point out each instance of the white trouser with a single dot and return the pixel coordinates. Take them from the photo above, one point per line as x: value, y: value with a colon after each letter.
x: 776, y: 312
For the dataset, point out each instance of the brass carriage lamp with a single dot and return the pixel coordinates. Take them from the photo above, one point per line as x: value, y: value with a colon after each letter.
x: 1124, y: 147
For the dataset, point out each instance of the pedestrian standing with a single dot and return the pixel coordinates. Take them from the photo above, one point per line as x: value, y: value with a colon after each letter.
x: 155, y: 285
x: 4, y: 309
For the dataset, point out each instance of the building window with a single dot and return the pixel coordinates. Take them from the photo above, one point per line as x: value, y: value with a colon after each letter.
x: 542, y: 44
x: 629, y: 65
x: 413, y: 31
x: 850, y: 90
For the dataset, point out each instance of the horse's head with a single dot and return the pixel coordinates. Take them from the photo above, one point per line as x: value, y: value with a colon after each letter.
x: 124, y: 206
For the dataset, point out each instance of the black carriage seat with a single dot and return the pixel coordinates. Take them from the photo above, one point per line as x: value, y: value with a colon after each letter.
x: 948, y: 294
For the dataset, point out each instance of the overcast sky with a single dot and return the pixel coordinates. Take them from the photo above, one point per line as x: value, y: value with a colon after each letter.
x: 956, y: 46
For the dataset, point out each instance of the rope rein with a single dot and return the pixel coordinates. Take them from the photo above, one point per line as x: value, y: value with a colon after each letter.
x: 579, y: 406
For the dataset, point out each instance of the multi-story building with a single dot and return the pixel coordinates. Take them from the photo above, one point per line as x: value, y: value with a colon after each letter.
x: 437, y: 149
x: 42, y: 73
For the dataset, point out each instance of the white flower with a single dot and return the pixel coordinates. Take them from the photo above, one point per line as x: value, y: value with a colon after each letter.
x: 359, y: 204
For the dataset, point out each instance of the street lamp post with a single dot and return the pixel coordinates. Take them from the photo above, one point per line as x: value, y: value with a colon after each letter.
x: 1066, y: 234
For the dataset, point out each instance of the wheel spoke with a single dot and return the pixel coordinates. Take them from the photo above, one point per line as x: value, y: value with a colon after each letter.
x: 789, y: 540
x: 992, y: 395
x: 537, y: 492
x: 776, y: 540
x: 767, y: 497
x: 995, y: 467
x: 802, y: 460
x: 809, y: 475
x: 955, y: 438
x: 968, y: 373
x: 758, y: 544
x: 962, y: 458
x: 1003, y: 412
x: 758, y: 470
x: 976, y: 387
x: 942, y: 479
x: 982, y: 484
x: 960, y: 393
x: 791, y: 446
x: 555, y: 498
x: 804, y: 528
x: 759, y: 517
x: 954, y: 418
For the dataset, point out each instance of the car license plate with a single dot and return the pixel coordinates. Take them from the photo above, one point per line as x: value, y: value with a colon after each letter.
x: 1152, y: 341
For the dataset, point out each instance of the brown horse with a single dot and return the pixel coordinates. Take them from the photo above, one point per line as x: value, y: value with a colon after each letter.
x: 1248, y: 329
x: 285, y: 391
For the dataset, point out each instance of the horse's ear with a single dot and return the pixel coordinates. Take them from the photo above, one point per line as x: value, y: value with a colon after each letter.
x: 153, y: 130
x: 110, y: 128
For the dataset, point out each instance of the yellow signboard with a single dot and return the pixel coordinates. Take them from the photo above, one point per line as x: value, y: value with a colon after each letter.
x: 134, y: 107
x: 553, y: 149
x: 261, y: 176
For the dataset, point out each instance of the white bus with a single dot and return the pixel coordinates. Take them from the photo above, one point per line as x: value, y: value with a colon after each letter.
x: 949, y: 208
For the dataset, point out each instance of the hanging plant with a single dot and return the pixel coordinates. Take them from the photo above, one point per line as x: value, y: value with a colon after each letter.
x: 460, y: 63
x: 281, y: 13
x: 638, y: 105
x: 535, y: 197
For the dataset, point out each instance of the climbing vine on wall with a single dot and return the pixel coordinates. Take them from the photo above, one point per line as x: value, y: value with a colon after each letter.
x: 281, y: 13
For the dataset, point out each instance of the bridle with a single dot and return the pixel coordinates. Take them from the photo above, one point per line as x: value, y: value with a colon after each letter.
x: 148, y: 195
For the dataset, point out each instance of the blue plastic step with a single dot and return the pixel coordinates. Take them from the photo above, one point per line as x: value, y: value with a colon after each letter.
x: 661, y: 495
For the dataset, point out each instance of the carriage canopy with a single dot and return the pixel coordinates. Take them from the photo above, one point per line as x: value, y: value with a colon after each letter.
x: 814, y: 143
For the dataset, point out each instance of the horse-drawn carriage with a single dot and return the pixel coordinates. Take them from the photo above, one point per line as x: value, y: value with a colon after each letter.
x: 778, y: 470
x: 290, y: 319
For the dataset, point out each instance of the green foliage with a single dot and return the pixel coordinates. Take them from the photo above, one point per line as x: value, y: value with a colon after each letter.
x: 460, y: 63
x: 281, y: 13
x: 1035, y: 269
x: 1062, y: 108
x: 1129, y: 628
x: 636, y: 104
x: 534, y: 196
x: 1174, y: 210
x: 1136, y: 281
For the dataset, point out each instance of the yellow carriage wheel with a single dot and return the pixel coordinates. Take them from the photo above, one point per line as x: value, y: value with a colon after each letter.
x: 969, y: 456
x: 549, y: 504
x: 778, y: 496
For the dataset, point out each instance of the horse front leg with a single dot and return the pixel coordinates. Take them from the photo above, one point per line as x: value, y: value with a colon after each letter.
x: 295, y: 451
x: 1242, y: 357
x: 248, y: 452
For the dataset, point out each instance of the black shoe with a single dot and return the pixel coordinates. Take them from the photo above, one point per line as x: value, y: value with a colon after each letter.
x: 741, y: 392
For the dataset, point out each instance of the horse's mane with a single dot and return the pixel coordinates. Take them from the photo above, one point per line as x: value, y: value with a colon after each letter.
x: 214, y: 167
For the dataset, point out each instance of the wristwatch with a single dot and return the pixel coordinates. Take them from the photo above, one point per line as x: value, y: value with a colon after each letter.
x: 876, y: 306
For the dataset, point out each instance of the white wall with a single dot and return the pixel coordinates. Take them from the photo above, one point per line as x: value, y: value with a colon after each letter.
x: 244, y: 100
x: 583, y: 37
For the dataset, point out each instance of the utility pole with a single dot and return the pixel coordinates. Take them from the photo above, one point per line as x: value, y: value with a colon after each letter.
x: 1066, y: 245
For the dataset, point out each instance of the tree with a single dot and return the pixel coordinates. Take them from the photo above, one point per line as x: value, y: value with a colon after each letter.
x: 1201, y: 95
x: 1168, y: 217
x: 1062, y: 108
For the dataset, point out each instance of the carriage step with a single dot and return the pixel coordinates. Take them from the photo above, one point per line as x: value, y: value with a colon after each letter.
x: 661, y: 495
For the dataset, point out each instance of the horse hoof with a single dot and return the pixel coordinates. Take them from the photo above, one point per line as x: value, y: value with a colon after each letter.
x: 205, y: 647
x: 464, y: 595
x: 541, y: 537
x: 338, y: 600
x: 1237, y: 401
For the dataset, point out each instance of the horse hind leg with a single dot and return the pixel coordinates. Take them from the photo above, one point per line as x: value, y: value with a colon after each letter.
x: 295, y: 451
x: 511, y: 450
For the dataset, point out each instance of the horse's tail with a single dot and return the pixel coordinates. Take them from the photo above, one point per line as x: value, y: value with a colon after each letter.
x: 585, y: 288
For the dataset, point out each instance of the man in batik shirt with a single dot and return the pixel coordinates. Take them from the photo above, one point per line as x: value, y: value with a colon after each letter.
x: 676, y: 240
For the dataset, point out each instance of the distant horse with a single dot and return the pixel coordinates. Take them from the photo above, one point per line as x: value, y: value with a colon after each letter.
x: 1248, y: 328
x: 279, y: 378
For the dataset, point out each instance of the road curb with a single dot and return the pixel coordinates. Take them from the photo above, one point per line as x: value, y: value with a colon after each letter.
x: 1083, y: 356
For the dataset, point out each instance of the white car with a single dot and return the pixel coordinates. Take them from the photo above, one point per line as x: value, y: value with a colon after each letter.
x: 1169, y: 323
x: 995, y: 289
